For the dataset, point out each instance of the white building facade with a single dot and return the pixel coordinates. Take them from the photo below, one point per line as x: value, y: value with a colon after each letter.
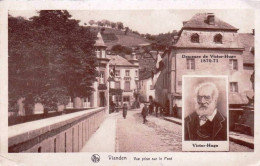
x: 126, y: 78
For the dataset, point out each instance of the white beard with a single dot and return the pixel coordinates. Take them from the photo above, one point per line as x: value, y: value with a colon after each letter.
x: 205, y: 109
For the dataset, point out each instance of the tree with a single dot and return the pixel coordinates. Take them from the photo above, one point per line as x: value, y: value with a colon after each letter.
x: 120, y: 25
x: 51, y: 58
x: 136, y: 32
x: 108, y: 23
x: 162, y: 40
x: 122, y: 50
x: 113, y: 25
x: 105, y: 22
x: 126, y: 30
x: 102, y: 30
x: 99, y: 23
x: 91, y: 22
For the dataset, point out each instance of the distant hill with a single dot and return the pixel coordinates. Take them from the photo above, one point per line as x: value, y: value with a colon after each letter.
x: 147, y: 60
x: 113, y: 37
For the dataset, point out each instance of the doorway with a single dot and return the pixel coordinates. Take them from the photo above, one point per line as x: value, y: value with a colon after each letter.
x: 102, y: 99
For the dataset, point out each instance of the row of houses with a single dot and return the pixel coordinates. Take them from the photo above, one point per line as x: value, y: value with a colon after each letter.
x: 118, y: 78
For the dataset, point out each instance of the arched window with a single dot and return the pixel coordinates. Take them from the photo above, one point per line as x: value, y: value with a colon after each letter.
x: 218, y: 38
x: 195, y: 38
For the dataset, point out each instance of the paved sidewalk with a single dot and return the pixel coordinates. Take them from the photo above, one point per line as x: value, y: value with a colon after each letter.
x: 242, y: 139
x: 174, y: 120
x: 103, y: 140
x: 156, y: 135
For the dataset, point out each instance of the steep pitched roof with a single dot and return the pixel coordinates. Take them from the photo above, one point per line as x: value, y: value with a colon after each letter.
x: 100, y: 42
x: 118, y: 61
x: 230, y: 40
x: 198, y: 25
x: 247, y: 40
x: 198, y: 21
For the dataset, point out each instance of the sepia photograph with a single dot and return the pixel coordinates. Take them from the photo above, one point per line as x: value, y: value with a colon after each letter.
x: 130, y: 81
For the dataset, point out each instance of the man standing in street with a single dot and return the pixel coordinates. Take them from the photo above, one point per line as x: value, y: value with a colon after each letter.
x: 124, y: 110
x: 144, y: 113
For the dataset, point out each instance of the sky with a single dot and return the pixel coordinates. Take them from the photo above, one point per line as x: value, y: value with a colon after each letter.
x: 156, y: 21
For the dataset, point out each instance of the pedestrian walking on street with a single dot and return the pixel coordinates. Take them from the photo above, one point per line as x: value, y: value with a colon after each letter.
x: 175, y: 111
x: 112, y: 106
x: 124, y: 110
x: 151, y: 106
x: 161, y: 110
x: 156, y: 108
x: 144, y: 112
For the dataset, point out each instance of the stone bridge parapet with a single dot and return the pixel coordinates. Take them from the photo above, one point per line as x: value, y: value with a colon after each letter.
x: 65, y: 133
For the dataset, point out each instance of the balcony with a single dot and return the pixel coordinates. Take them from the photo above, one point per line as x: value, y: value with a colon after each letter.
x: 128, y: 90
x: 128, y: 78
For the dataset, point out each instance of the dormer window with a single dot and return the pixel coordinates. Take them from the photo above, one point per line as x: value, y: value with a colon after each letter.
x: 195, y: 38
x: 211, y: 19
x: 218, y: 38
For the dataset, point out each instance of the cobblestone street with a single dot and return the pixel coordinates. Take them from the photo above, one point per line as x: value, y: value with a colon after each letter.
x: 157, y: 135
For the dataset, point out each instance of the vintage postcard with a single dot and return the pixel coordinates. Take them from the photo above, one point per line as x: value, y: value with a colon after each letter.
x: 89, y: 84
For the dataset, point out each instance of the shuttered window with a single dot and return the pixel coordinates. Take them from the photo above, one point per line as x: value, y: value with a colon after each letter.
x: 190, y: 64
x: 102, y: 77
x: 233, y: 87
x: 117, y: 73
x: 127, y: 85
x: 126, y: 98
x: 233, y: 64
x: 117, y: 85
x: 127, y: 73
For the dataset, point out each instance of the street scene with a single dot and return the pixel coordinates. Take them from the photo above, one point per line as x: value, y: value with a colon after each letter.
x: 123, y: 81
x: 157, y: 135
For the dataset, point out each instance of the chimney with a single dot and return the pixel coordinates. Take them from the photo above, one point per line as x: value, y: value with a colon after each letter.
x: 184, y: 22
x: 211, y: 18
x: 253, y: 32
x: 134, y: 56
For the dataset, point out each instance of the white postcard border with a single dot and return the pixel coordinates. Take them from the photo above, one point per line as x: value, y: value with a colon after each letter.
x: 179, y: 158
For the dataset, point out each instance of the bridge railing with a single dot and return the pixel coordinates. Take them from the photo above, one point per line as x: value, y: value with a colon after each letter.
x: 65, y: 133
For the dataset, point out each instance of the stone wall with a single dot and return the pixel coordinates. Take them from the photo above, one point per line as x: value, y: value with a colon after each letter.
x: 65, y: 133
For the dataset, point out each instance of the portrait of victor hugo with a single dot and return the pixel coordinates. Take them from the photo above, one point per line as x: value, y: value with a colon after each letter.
x: 205, y: 108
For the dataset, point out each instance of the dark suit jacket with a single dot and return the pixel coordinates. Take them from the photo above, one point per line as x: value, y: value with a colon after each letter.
x: 144, y: 111
x: 218, y: 133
